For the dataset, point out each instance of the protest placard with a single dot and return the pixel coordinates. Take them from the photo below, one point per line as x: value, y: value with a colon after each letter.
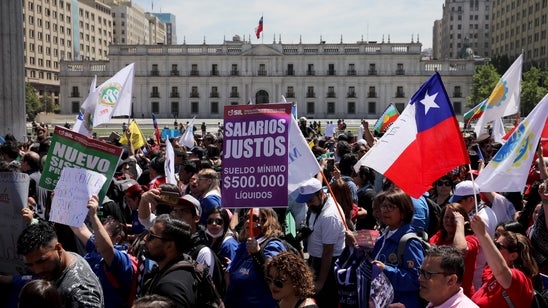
x: 255, y: 155
x: 14, y: 189
x: 70, y: 149
x: 74, y: 188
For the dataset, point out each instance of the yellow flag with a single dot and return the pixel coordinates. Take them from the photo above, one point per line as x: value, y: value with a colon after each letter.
x: 137, y: 138
x: 311, y: 143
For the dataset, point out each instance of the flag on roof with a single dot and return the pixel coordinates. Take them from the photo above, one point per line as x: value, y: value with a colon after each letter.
x: 388, y: 117
x: 474, y: 113
x: 259, y: 28
x: 509, y: 168
x: 422, y: 145
x: 504, y: 100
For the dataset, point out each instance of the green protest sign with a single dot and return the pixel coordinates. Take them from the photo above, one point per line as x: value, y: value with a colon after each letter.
x: 70, y: 149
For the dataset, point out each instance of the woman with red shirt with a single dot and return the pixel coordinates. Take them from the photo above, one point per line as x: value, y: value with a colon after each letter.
x: 512, y: 267
x: 455, y: 231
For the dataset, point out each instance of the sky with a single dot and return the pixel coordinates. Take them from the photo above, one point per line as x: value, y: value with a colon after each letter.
x: 309, y: 19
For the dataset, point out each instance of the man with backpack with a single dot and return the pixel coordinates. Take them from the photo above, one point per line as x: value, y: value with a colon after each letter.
x: 176, y: 276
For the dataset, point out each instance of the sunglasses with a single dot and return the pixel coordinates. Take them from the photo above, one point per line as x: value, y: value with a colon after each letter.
x: 217, y: 221
x: 444, y: 183
x: 427, y: 275
x: 501, y: 246
x: 256, y: 219
x: 278, y: 283
x: 149, y: 236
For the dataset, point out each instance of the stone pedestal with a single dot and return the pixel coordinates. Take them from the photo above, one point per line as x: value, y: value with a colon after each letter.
x: 12, y: 70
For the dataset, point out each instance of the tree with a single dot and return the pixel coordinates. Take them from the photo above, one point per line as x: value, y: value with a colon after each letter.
x: 533, y: 88
x: 32, y: 101
x: 483, y: 82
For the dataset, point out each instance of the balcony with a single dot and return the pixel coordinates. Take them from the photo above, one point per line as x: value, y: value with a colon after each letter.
x: 290, y: 73
x: 331, y: 72
x: 400, y: 94
x: 214, y: 94
x: 174, y: 94
x: 261, y: 73
x: 74, y: 94
x: 234, y: 94
x: 234, y: 73
x: 155, y: 73
x: 214, y: 73
x: 174, y: 73
x: 331, y: 94
x: 457, y: 94
x: 372, y: 72
x: 372, y: 94
x: 310, y: 73
x: 194, y: 73
x: 194, y: 94
x: 400, y: 72
x: 155, y: 94
x: 290, y: 94
x: 351, y: 72
x: 310, y: 95
x: 351, y: 95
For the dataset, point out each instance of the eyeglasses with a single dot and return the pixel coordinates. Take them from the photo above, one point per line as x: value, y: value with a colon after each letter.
x: 502, y: 246
x: 444, y: 183
x: 278, y: 283
x: 149, y: 236
x: 427, y: 275
x: 198, y: 179
x: 256, y: 219
x: 217, y: 221
x: 388, y: 207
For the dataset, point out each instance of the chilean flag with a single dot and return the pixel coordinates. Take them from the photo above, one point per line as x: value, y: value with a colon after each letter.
x: 422, y: 145
x: 259, y: 29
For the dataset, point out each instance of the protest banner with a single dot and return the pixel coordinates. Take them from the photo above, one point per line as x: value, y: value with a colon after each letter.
x: 255, y: 159
x: 14, y: 189
x: 74, y: 188
x: 70, y: 149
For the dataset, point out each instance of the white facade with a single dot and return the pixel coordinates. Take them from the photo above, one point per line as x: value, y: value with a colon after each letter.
x: 324, y: 80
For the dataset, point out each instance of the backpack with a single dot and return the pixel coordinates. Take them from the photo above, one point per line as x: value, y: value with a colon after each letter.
x: 218, y: 272
x: 288, y: 247
x: 420, y: 236
x: 133, y: 287
x: 204, y: 289
x: 434, y: 216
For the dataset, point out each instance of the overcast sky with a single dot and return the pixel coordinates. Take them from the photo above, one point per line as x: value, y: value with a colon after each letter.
x: 353, y: 19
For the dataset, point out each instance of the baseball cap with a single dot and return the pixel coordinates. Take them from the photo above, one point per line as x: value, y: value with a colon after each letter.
x: 308, y: 189
x: 188, y: 200
x: 464, y: 188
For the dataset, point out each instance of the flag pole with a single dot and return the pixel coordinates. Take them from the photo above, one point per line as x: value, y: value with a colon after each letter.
x: 474, y: 188
x: 336, y: 203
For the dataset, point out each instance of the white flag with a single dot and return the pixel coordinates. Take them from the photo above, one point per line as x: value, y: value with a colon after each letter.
x: 187, y: 139
x: 83, y: 124
x: 508, y: 170
x: 114, y: 96
x: 302, y: 163
x: 169, y: 165
x: 498, y: 131
x: 504, y: 100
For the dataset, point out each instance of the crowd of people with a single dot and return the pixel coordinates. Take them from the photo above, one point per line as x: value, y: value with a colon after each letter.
x: 153, y: 244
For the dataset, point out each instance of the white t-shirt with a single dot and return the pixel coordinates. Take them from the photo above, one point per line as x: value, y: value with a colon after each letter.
x: 504, y: 209
x: 328, y: 229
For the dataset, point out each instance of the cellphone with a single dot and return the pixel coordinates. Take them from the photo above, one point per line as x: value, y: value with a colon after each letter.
x: 330, y: 164
x: 169, y: 197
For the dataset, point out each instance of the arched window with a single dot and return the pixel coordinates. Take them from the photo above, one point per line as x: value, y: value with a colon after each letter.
x: 261, y: 97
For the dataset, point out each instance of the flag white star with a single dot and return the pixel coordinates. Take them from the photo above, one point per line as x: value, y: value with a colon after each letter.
x: 429, y: 101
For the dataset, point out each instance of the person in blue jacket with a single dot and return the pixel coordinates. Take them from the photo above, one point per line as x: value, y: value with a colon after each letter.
x: 397, y: 214
x: 246, y: 285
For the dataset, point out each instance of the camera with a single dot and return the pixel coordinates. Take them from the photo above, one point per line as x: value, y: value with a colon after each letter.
x: 303, y: 233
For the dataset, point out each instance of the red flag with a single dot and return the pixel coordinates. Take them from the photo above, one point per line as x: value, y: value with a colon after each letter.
x: 156, y: 130
x: 423, y: 144
x: 259, y: 29
x: 544, y: 139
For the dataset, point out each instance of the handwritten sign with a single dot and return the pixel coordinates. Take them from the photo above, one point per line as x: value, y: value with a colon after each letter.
x: 14, y: 188
x: 74, y: 188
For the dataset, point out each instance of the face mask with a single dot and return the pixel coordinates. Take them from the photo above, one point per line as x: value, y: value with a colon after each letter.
x: 214, y: 235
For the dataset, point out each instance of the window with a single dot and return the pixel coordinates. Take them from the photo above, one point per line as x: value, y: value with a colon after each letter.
x: 214, y: 107
x: 351, y: 108
x: 351, y: 92
x: 310, y: 71
x: 155, y: 107
x: 331, y: 92
x: 214, y: 92
x: 399, y: 69
x: 175, y: 109
x: 75, y: 92
x: 351, y: 69
x: 290, y: 92
x: 372, y: 108
x: 194, y: 108
x: 234, y: 70
x: 372, y: 69
x: 214, y: 70
x: 174, y: 70
x: 372, y: 92
x: 154, y: 71
x: 330, y: 108
x: 155, y: 92
x: 310, y: 108
x: 75, y: 107
x: 331, y: 70
x: 290, y: 71
x: 194, y: 70
x: 457, y: 92
x: 234, y: 92
x: 310, y: 92
x: 262, y: 70
x: 399, y: 92
x: 194, y: 92
x: 174, y: 92
x: 457, y: 106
